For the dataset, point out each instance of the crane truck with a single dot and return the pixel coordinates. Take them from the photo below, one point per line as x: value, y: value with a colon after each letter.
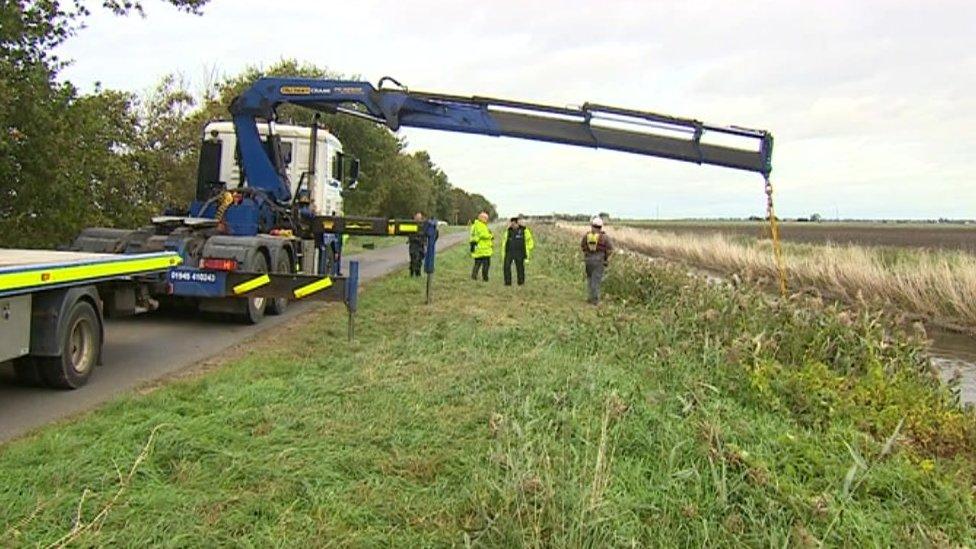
x: 265, y: 223
x: 53, y: 303
x: 267, y: 199
x: 270, y: 191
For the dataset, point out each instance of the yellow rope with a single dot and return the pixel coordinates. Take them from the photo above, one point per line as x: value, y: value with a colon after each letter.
x: 226, y: 199
x: 774, y: 232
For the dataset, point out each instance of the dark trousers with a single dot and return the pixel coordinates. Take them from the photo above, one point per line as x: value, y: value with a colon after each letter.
x: 594, y: 278
x: 416, y: 260
x: 519, y: 269
x: 483, y: 263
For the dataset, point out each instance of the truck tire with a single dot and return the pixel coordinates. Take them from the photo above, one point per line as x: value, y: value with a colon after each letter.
x: 81, y: 343
x: 25, y: 368
x: 278, y: 305
x: 255, y: 306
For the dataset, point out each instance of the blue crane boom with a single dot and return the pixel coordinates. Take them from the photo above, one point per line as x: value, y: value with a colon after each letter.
x: 591, y: 125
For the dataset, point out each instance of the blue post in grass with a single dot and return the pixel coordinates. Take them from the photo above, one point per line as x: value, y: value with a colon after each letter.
x: 430, y: 231
x: 352, y: 296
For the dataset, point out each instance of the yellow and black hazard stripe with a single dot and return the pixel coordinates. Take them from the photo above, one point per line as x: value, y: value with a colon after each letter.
x: 24, y: 278
x: 365, y: 226
x: 312, y: 287
x: 252, y: 284
x: 400, y: 228
x: 291, y: 286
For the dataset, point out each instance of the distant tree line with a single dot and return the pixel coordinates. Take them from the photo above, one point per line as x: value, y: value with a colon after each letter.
x: 114, y: 158
x: 578, y: 216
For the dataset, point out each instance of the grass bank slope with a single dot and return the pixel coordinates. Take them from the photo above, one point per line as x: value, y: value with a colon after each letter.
x: 676, y: 413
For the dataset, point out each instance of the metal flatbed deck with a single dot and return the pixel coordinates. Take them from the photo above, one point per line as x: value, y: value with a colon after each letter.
x: 25, y: 271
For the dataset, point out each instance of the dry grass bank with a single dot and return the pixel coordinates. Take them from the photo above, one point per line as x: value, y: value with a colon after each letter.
x: 937, y: 285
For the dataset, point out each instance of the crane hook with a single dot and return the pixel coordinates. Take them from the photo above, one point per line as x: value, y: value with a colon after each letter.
x: 379, y: 85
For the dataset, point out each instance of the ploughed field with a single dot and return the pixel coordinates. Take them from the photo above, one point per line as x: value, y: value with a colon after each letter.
x: 918, y: 235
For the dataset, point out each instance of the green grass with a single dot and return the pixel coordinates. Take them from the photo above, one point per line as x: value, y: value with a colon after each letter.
x: 677, y: 413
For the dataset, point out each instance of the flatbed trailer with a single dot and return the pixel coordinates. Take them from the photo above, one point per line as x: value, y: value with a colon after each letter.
x: 53, y: 304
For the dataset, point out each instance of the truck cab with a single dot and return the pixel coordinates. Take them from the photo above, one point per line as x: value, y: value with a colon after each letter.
x: 319, y: 188
x: 235, y: 226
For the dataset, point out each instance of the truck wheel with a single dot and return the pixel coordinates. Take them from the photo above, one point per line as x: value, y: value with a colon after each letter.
x: 25, y: 368
x: 80, y: 345
x: 254, y: 310
x: 277, y: 306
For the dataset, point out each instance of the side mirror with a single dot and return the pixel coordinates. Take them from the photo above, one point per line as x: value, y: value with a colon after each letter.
x: 337, y: 166
x: 354, y: 173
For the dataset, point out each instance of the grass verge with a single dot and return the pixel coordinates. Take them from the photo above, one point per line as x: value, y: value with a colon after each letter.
x: 677, y: 413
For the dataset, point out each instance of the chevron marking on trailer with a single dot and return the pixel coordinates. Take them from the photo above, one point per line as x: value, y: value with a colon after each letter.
x: 310, y: 289
x: 252, y: 284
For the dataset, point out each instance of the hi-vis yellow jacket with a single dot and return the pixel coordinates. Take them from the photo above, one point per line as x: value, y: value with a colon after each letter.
x: 482, y: 239
x: 529, y: 242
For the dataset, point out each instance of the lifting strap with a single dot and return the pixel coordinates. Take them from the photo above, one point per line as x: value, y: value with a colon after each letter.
x: 774, y: 233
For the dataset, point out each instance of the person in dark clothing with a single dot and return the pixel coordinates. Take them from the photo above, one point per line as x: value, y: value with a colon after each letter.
x: 597, y: 248
x: 417, y: 247
x: 517, y: 245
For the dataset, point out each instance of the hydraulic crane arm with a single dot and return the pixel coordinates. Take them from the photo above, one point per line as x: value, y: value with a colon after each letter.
x: 590, y: 125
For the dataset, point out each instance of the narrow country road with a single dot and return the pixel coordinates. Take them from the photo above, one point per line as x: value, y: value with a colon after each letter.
x: 144, y: 348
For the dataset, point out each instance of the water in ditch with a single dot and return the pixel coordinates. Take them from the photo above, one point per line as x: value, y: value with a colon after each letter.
x: 954, y: 355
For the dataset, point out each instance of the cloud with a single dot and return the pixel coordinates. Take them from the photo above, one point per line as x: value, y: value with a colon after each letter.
x: 871, y: 102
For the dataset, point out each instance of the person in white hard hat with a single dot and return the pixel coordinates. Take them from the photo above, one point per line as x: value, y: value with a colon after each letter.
x: 596, y: 248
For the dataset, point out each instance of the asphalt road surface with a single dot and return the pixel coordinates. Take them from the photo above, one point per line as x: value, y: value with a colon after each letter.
x: 144, y: 348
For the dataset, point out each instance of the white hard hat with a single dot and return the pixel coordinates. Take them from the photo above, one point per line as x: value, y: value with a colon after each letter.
x: 596, y: 222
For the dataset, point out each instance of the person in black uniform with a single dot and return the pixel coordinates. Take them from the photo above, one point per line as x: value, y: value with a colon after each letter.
x: 417, y: 246
x: 517, y: 244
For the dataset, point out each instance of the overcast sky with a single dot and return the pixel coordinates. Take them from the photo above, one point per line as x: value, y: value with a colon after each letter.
x: 871, y: 103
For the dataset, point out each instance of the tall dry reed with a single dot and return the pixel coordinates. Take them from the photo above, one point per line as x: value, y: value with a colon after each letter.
x: 940, y: 286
